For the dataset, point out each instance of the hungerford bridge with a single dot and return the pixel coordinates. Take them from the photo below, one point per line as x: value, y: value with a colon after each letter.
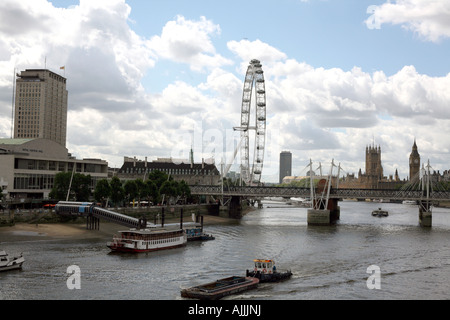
x: 324, y: 205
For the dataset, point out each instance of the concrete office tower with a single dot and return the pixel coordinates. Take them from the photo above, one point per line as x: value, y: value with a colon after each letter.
x: 285, y: 164
x: 40, y: 106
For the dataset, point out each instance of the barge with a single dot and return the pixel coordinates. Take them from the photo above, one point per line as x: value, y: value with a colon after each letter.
x: 220, y: 288
x: 266, y: 271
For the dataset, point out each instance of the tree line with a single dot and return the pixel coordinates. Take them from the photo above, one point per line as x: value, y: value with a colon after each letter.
x: 157, y: 188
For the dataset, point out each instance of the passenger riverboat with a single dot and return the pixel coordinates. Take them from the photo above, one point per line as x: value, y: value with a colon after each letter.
x: 7, y: 263
x: 146, y: 240
x: 266, y: 271
x: 380, y: 213
x: 220, y: 288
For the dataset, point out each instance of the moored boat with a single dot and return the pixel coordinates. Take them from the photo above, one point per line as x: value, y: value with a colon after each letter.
x: 220, y: 288
x: 196, y: 233
x: 7, y: 263
x: 266, y: 271
x: 147, y: 240
x: 380, y: 213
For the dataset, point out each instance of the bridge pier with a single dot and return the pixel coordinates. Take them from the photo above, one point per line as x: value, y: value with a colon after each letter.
x: 425, y: 216
x: 92, y: 223
x: 235, y: 207
x: 322, y: 216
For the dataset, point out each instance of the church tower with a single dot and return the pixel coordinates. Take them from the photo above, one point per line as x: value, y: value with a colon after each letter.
x: 414, y: 161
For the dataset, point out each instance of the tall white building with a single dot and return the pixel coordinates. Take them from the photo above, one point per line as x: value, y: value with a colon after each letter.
x: 40, y: 106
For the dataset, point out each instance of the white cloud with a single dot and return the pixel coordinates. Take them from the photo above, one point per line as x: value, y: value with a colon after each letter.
x: 188, y: 41
x: 429, y: 19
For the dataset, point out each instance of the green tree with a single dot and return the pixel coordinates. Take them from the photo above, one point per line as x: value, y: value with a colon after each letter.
x: 60, y: 186
x: 168, y: 189
x: 153, y: 191
x: 81, y: 186
x: 142, y: 189
x: 183, y: 190
x: 158, y: 177
x: 130, y: 190
x: 102, y: 191
x: 79, y: 190
x: 117, y: 191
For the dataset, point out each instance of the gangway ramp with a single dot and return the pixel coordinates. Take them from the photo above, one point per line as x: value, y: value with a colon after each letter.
x: 90, y: 209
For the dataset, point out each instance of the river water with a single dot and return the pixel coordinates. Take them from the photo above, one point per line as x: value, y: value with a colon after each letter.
x: 328, y: 262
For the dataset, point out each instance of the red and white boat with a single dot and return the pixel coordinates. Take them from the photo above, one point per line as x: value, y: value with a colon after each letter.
x: 146, y: 240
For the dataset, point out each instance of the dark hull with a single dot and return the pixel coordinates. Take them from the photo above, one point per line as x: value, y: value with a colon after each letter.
x: 270, y: 277
x: 380, y: 214
x: 202, y: 237
x: 220, y: 288
x: 12, y: 267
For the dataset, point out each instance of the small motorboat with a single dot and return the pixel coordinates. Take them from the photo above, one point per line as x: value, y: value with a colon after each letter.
x: 380, y: 213
x: 266, y: 271
x: 220, y: 288
x: 7, y: 263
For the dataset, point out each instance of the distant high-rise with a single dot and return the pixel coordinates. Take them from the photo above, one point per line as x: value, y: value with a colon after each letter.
x: 40, y: 106
x: 285, y: 164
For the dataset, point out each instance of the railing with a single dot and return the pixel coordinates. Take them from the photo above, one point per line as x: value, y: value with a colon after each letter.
x: 305, y: 192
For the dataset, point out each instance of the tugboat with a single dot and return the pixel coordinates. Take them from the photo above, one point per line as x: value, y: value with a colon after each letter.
x: 380, y: 213
x: 266, y: 271
x: 220, y: 288
x: 10, y: 264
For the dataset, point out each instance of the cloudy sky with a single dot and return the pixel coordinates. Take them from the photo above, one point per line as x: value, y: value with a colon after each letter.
x: 151, y: 78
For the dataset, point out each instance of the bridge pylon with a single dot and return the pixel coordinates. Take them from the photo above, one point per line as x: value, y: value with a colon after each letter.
x: 324, y: 210
x: 425, y: 216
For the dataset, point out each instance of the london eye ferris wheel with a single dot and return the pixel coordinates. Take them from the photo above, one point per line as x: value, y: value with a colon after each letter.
x: 251, y: 169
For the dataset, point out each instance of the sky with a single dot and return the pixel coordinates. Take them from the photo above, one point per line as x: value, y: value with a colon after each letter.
x: 153, y: 78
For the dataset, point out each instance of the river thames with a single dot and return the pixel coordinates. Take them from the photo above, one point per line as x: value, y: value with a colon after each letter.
x: 328, y: 262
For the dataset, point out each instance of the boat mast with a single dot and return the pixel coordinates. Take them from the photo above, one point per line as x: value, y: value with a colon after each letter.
x: 12, y: 102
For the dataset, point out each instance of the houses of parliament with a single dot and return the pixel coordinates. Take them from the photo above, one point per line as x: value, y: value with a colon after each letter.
x: 374, y: 178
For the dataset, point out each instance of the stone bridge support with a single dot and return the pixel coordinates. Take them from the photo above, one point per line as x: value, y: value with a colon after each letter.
x: 324, y: 216
x: 425, y: 217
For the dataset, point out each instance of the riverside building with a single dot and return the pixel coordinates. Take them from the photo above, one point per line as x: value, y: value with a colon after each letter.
x: 40, y: 106
x: 30, y: 161
x: 28, y: 167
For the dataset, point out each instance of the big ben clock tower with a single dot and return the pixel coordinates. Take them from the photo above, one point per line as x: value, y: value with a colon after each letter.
x: 414, y: 161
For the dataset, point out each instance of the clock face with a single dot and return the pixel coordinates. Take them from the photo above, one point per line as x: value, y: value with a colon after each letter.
x: 416, y: 161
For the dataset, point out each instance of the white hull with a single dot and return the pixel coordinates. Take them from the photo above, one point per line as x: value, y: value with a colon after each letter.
x: 147, y: 240
x: 146, y: 245
x: 10, y: 264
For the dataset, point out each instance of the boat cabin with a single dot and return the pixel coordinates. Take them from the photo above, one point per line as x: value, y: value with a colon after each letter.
x: 264, y: 265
